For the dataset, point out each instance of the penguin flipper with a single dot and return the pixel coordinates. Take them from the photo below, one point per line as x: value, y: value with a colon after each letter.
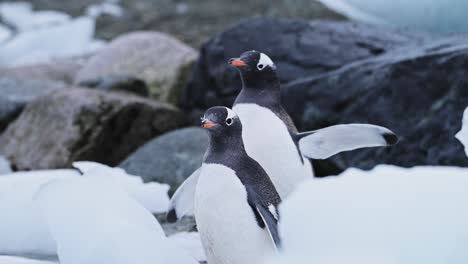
x: 271, y: 224
x: 326, y: 142
x: 267, y: 216
x: 182, y: 201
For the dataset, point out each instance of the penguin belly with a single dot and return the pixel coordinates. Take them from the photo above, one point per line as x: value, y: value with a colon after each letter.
x: 268, y: 141
x: 227, y: 225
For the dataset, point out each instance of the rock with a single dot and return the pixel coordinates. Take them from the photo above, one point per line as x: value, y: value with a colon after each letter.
x: 194, y: 21
x: 156, y: 58
x: 83, y: 124
x: 170, y: 158
x: 63, y: 70
x: 419, y: 92
x: 5, y: 166
x: 299, y: 48
x: 118, y: 83
x: 17, y: 92
x: 186, y: 224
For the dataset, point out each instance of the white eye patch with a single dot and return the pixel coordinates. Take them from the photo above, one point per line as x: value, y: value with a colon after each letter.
x: 230, y: 114
x: 264, y: 61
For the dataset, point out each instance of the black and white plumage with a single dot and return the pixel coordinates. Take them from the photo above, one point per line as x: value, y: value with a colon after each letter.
x: 271, y: 138
x: 235, y: 200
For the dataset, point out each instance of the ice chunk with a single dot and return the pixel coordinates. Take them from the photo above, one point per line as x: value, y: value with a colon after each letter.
x: 462, y: 135
x: 387, y: 215
x: 65, y: 40
x: 190, y: 241
x: 97, y: 223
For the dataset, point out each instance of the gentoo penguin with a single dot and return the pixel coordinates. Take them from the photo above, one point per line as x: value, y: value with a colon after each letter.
x: 235, y: 200
x: 271, y: 138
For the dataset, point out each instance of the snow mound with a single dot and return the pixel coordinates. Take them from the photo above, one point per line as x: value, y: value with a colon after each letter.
x: 5, y: 33
x: 19, y: 260
x: 190, y: 241
x: 387, y: 215
x: 104, y: 226
x: 64, y: 40
x: 22, y: 229
x: 21, y: 16
x: 462, y: 135
x: 153, y: 196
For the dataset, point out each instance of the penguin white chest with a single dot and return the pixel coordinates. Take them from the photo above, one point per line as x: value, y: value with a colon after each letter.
x: 267, y: 140
x: 226, y: 223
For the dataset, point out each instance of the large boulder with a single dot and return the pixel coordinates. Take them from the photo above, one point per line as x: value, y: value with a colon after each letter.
x: 159, y: 60
x: 169, y: 158
x: 299, y: 48
x: 82, y: 124
x: 419, y: 92
x: 63, y: 70
x: 15, y: 93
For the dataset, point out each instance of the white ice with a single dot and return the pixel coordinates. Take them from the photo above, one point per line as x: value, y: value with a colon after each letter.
x: 21, y: 16
x: 462, y: 135
x: 23, y: 232
x: 105, y: 8
x: 152, y: 195
x: 65, y: 40
x: 386, y: 215
x: 94, y: 227
x: 20, y: 260
x: 446, y: 16
x: 190, y: 241
x: 5, y: 33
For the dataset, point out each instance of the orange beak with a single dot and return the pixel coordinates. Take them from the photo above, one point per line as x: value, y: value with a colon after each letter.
x: 237, y: 63
x: 208, y: 124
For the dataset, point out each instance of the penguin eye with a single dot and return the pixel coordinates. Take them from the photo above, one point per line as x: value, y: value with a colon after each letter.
x: 228, y: 121
x: 260, y: 66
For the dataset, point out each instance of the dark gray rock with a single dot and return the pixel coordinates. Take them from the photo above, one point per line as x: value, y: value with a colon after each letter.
x: 83, y: 124
x: 15, y: 93
x: 420, y: 92
x: 186, y: 224
x: 170, y: 158
x: 119, y: 84
x: 194, y: 21
x: 299, y: 48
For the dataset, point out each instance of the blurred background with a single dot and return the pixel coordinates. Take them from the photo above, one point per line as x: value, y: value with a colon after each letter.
x: 122, y: 82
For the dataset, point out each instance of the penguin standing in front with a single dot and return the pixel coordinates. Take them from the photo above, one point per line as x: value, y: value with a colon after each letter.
x: 271, y: 138
x: 235, y: 200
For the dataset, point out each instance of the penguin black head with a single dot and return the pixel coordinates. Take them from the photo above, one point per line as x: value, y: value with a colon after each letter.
x: 256, y: 68
x: 221, y: 121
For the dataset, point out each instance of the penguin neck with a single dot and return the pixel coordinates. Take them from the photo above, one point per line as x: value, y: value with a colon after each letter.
x: 224, y: 148
x: 265, y: 92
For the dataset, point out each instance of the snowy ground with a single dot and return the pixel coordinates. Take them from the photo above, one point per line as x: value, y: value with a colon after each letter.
x: 59, y: 34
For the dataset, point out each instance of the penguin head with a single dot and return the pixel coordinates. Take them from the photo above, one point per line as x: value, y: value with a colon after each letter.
x: 255, y: 66
x: 221, y: 121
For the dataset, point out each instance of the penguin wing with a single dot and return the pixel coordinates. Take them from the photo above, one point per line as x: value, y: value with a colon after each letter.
x: 182, y: 201
x: 326, y: 142
x: 267, y: 216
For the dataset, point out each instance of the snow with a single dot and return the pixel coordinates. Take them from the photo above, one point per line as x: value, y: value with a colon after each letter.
x: 20, y: 260
x: 21, y: 16
x: 23, y: 231
x: 462, y: 135
x: 41, y: 36
x: 153, y: 196
x: 386, y: 215
x: 55, y: 42
x: 5, y: 33
x: 190, y: 241
x: 103, y: 227
x: 105, y: 8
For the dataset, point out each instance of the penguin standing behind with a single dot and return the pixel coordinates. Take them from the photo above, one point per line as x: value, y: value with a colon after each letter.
x: 271, y: 138
x: 235, y: 200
